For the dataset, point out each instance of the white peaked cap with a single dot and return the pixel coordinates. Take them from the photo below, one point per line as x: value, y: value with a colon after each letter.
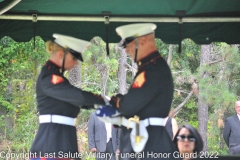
x: 135, y: 30
x: 75, y: 44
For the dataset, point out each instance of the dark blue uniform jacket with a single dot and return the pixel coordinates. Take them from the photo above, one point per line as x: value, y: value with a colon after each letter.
x: 150, y: 95
x: 55, y: 95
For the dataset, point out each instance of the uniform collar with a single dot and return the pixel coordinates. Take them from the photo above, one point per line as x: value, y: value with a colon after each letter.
x: 53, y: 66
x: 50, y: 62
x: 146, y: 59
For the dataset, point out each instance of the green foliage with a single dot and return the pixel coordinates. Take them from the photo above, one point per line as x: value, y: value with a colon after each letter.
x: 20, y: 64
x: 97, y: 64
x: 221, y: 79
x: 188, y: 114
x: 6, y: 104
x: 194, y: 123
x: 215, y: 140
x: 22, y: 134
x: 84, y: 115
x: 220, y: 88
x: 162, y: 47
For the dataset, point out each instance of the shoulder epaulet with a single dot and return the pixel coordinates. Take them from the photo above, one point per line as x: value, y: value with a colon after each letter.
x: 56, y: 79
x: 140, y: 80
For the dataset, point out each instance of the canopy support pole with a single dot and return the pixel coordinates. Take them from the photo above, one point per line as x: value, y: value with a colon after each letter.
x: 180, y: 14
x: 180, y: 36
x: 34, y: 20
x: 106, y: 26
x: 9, y: 6
x: 106, y: 22
x: 124, y: 19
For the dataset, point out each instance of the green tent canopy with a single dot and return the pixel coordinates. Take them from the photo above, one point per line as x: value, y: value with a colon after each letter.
x: 203, y: 21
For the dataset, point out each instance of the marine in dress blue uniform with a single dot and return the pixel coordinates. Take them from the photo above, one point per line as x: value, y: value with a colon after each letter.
x: 149, y: 97
x: 59, y: 103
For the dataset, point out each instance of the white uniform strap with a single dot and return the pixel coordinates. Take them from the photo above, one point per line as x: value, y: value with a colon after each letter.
x: 153, y: 121
x: 56, y: 119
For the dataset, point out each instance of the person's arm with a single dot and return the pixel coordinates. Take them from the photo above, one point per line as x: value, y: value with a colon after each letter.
x: 66, y: 92
x: 174, y: 127
x: 226, y: 131
x: 91, y: 132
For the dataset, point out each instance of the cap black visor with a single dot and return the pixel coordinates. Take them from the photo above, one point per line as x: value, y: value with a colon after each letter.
x: 127, y: 41
x: 77, y: 55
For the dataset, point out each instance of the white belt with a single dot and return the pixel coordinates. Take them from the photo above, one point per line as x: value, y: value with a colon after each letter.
x: 153, y: 121
x: 138, y: 142
x: 56, y: 119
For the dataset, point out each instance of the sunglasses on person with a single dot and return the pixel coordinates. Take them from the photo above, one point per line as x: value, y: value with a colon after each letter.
x: 183, y: 137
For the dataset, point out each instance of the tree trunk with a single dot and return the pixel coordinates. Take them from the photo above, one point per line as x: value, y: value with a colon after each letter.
x: 75, y: 76
x: 170, y: 55
x: 101, y: 67
x: 134, y: 68
x: 104, y: 74
x: 202, y: 105
x: 9, y: 91
x: 122, y: 72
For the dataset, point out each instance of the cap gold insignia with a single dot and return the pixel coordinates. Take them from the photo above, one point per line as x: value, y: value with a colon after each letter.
x: 56, y: 79
x: 139, y: 81
x: 88, y: 47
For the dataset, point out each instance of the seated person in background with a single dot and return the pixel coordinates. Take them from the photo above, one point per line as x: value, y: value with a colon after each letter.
x: 171, y: 125
x: 188, y: 142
